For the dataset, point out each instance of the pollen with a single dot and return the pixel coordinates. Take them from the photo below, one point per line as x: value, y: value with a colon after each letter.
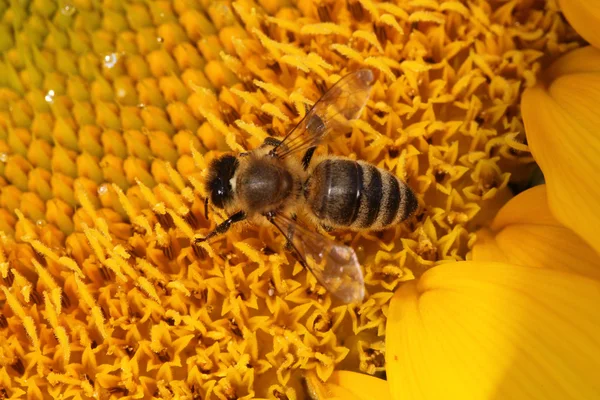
x: 110, y: 113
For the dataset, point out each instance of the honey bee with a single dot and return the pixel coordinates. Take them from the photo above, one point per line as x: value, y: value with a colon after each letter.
x: 272, y: 184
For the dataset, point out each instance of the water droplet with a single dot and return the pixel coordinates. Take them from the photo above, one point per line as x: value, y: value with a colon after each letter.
x: 160, y: 39
x: 271, y: 292
x: 110, y: 60
x: 102, y: 190
x: 49, y: 96
x: 67, y: 8
x: 40, y: 222
x: 3, y: 157
x: 141, y: 105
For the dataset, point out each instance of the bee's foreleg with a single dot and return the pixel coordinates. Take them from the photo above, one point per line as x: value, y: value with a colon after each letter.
x: 224, y: 226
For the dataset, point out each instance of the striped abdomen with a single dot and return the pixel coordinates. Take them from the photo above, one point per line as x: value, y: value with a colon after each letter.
x: 358, y: 195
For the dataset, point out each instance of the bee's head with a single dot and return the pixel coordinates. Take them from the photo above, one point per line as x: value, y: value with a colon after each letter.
x: 221, y: 171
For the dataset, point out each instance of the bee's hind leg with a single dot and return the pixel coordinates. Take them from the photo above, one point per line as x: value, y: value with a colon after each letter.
x: 308, y: 157
x: 223, y: 226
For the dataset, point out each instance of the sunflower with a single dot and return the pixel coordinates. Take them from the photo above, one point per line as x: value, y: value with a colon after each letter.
x: 110, y: 113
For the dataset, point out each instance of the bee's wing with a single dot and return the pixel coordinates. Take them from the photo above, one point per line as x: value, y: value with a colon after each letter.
x: 342, y: 103
x: 334, y: 265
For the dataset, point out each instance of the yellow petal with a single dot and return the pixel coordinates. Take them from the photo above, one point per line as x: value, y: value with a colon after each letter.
x: 561, y: 122
x: 348, y: 385
x: 529, y: 207
x: 583, y: 60
x: 584, y: 16
x: 474, y: 331
x: 525, y: 233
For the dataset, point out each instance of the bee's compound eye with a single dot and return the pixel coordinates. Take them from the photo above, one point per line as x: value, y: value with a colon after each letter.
x: 219, y: 191
x: 222, y: 170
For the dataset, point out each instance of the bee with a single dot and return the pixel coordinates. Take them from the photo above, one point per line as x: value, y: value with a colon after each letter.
x: 272, y: 184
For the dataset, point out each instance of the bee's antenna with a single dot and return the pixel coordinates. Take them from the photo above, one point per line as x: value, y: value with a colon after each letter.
x: 206, y: 208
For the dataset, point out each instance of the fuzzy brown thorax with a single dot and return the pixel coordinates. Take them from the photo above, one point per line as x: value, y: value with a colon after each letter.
x: 264, y: 183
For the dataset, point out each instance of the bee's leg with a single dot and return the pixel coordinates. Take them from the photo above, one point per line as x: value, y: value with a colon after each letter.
x: 327, y: 228
x: 271, y: 141
x: 290, y: 235
x: 290, y: 231
x: 224, y: 226
x: 307, y: 157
